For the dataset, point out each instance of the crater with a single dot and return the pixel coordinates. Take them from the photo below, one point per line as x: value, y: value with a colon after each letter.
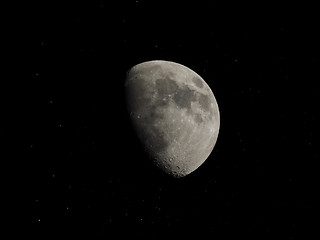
x: 197, y: 81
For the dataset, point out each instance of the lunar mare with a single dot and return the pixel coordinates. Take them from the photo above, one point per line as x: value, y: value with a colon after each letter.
x: 174, y: 114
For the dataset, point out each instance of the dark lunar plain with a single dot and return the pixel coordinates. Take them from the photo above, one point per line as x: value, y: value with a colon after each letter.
x: 74, y: 166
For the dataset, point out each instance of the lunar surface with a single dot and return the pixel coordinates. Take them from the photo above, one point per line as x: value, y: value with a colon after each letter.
x: 174, y: 114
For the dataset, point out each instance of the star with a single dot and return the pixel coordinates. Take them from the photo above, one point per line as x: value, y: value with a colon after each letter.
x: 37, y: 220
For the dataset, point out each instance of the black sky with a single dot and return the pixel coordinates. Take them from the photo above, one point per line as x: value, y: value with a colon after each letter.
x: 78, y: 169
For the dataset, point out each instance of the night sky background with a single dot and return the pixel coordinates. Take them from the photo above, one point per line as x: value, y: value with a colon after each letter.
x: 78, y: 170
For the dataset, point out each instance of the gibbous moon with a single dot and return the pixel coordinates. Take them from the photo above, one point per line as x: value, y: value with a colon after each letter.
x: 174, y: 113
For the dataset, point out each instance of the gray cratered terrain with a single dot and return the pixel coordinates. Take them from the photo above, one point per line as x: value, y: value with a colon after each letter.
x: 174, y: 114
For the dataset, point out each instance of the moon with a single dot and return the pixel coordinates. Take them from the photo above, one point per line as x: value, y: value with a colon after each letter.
x: 174, y: 114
